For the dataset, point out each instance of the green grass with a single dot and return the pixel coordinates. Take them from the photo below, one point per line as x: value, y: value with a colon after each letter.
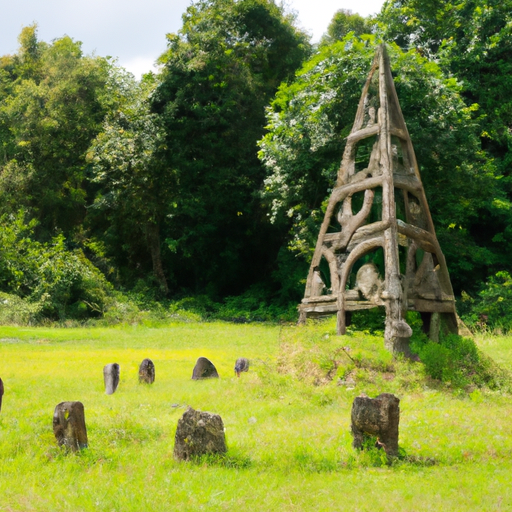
x: 287, y: 424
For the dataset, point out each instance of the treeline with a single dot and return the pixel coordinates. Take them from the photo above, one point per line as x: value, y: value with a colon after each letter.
x: 208, y: 179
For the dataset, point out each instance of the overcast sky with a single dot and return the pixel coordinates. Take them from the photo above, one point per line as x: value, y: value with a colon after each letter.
x: 134, y: 30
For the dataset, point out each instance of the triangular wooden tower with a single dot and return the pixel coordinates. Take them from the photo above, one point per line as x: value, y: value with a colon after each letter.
x: 386, y: 253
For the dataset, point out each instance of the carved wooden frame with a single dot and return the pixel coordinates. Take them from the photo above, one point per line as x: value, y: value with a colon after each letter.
x: 423, y: 286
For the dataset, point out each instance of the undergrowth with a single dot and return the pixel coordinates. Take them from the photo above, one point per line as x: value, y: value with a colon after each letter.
x: 316, y: 355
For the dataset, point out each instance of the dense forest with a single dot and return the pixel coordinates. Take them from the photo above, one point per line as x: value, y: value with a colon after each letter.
x: 204, y: 184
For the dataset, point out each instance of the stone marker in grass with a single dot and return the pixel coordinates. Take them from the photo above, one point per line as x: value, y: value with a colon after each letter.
x: 199, y: 433
x: 376, y: 417
x: 147, y: 372
x: 69, y: 425
x: 111, y: 377
x: 204, y: 369
x: 1, y: 393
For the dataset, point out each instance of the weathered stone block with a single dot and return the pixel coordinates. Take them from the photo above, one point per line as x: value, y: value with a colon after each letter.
x: 204, y: 369
x: 147, y: 372
x: 69, y: 425
x: 378, y: 417
x: 199, y: 433
x: 111, y: 373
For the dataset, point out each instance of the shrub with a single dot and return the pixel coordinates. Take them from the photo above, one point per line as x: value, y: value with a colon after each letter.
x: 373, y: 320
x: 17, y: 311
x: 458, y: 361
x: 200, y: 307
x: 60, y: 283
x: 493, y: 306
x: 68, y: 285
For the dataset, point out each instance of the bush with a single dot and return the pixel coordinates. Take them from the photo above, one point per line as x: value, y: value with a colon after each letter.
x: 255, y: 305
x: 58, y: 282
x: 68, y: 285
x: 200, y: 307
x: 252, y: 306
x: 458, y: 361
x: 493, y: 306
x: 17, y: 311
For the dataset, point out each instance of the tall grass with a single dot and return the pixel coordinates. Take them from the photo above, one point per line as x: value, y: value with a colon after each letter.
x: 287, y: 423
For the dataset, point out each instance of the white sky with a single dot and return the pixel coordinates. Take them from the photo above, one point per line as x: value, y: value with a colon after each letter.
x: 134, y: 30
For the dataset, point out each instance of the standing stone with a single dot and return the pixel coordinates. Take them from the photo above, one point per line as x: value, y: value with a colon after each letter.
x: 1, y: 393
x: 69, y: 425
x: 111, y: 374
x: 204, y: 369
x: 377, y: 417
x: 241, y: 365
x: 199, y: 433
x: 147, y: 372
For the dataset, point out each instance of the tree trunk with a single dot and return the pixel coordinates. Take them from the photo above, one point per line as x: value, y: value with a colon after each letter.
x: 153, y: 234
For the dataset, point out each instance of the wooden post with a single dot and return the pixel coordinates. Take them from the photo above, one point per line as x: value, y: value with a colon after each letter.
x: 377, y: 417
x: 69, y: 425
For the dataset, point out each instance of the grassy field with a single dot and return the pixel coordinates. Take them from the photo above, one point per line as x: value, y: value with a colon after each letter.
x: 287, y: 424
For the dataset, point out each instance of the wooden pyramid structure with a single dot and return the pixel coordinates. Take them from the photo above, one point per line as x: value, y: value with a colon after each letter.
x: 377, y: 246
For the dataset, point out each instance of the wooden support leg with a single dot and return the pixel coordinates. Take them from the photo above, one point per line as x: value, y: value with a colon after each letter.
x: 341, y: 327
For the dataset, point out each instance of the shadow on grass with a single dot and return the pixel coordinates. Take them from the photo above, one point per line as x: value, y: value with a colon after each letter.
x: 231, y: 460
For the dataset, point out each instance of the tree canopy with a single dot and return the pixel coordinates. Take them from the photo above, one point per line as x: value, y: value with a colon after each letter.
x: 220, y: 71
x: 345, y: 21
x: 53, y: 103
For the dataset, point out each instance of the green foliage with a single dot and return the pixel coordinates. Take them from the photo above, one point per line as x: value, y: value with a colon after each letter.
x: 158, y: 183
x: 136, y: 187
x: 220, y: 71
x: 51, y: 108
x: 251, y: 306
x: 492, y: 308
x: 57, y: 282
x: 200, y: 307
x: 471, y: 40
x: 345, y: 21
x: 17, y: 311
x: 256, y: 305
x: 372, y: 320
x: 457, y: 361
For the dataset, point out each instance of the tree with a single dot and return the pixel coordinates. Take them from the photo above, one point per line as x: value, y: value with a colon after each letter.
x: 220, y: 71
x: 53, y: 102
x: 345, y: 21
x: 472, y: 40
x: 309, y: 119
x: 136, y: 187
